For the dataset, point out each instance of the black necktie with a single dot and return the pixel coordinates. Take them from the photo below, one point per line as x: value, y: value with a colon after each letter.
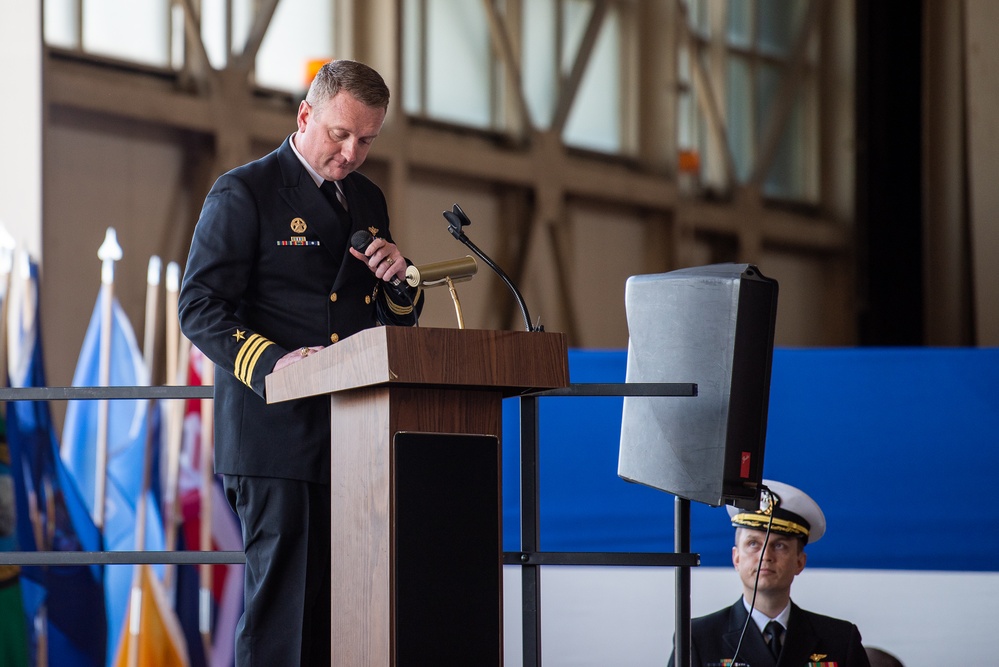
x: 773, y: 633
x: 334, y: 196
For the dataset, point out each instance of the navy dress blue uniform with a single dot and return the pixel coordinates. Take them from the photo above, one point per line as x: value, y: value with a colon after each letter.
x: 269, y: 272
x: 810, y: 639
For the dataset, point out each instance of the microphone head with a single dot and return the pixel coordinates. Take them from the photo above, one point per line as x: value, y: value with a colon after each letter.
x: 460, y: 215
x: 361, y: 239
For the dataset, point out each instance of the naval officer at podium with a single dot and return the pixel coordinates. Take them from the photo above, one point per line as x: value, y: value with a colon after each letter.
x: 270, y: 278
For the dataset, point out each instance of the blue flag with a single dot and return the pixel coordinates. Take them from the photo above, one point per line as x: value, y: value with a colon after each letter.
x: 126, y: 445
x: 66, y: 602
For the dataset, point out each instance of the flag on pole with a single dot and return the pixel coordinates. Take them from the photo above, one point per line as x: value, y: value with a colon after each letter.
x: 64, y: 604
x: 160, y: 638
x: 227, y: 580
x: 152, y: 637
x: 126, y: 439
x: 13, y: 631
x: 13, y: 634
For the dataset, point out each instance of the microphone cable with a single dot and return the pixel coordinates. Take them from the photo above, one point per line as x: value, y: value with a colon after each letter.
x: 774, y: 503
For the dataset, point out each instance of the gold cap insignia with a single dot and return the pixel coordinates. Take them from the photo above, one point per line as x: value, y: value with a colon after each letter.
x: 298, y: 225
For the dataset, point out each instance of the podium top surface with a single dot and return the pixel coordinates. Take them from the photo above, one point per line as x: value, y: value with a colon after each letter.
x: 508, y: 361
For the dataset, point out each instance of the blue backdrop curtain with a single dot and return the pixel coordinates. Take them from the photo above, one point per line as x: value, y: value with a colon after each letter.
x: 899, y: 446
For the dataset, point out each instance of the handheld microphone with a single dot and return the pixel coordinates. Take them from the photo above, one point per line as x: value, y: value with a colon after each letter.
x: 360, y: 241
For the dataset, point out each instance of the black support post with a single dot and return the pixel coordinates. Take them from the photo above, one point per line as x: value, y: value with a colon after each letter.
x: 530, y: 573
x: 681, y: 545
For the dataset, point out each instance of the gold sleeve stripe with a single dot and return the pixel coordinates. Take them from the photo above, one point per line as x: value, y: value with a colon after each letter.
x: 396, y: 308
x: 247, y: 358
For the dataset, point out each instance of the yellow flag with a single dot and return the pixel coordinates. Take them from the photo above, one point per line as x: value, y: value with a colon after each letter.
x: 159, y: 641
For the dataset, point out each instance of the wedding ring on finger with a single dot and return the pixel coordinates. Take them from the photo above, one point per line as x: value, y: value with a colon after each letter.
x: 389, y: 261
x: 304, y: 352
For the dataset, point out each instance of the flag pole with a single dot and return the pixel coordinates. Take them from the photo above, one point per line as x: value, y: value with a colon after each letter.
x: 148, y: 348
x: 108, y: 253
x: 207, y: 485
x: 152, y: 303
x: 171, y: 323
x: 177, y: 351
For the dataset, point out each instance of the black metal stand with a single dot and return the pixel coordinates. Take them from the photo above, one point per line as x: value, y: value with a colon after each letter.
x: 681, y: 544
x: 531, y: 560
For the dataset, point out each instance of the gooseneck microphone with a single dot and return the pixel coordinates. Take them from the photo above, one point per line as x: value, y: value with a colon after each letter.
x: 773, y: 502
x: 456, y: 221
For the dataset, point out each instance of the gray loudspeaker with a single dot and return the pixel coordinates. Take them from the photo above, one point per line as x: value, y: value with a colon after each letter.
x: 712, y: 325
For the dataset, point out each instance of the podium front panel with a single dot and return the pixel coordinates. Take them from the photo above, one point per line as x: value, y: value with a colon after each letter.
x: 447, y: 543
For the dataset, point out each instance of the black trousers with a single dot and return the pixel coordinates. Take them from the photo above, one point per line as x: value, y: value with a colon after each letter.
x: 286, y: 538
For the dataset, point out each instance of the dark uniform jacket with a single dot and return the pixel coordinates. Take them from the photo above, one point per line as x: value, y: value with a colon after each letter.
x: 269, y: 272
x: 810, y: 639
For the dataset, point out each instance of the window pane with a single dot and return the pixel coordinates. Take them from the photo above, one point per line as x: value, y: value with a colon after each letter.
x: 539, y: 68
x: 129, y: 30
x: 213, y: 32
x: 683, y: 66
x: 595, y: 119
x: 739, y: 114
x: 290, y: 43
x: 786, y: 177
x: 766, y: 90
x: 458, y: 62
x: 740, y: 23
x: 242, y: 22
x: 697, y: 17
x: 177, y: 37
x: 713, y: 173
x: 575, y: 17
x: 779, y: 21
x: 686, y: 130
x: 60, y: 19
x: 412, y: 60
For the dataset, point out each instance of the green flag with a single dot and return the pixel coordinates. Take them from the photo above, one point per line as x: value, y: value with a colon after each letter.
x: 13, y: 633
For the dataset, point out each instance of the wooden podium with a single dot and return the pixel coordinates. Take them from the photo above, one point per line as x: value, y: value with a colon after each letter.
x: 416, y: 488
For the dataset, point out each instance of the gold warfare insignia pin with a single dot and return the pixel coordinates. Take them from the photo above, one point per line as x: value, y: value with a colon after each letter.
x: 298, y: 225
x: 815, y: 657
x: 373, y: 230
